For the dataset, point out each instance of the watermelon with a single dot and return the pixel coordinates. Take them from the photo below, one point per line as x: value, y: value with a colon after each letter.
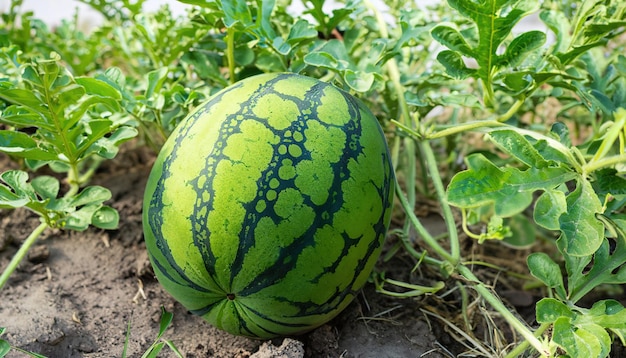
x: 267, y: 207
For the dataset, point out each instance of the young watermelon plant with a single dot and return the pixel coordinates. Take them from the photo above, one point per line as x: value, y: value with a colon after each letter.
x: 68, y: 136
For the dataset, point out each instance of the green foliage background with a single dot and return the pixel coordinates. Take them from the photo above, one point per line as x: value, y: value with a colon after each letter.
x: 522, y: 135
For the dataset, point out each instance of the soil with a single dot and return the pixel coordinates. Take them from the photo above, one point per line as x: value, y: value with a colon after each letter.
x: 79, y: 293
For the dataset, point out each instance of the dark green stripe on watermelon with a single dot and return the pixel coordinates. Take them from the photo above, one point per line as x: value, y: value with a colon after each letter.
x: 266, y: 209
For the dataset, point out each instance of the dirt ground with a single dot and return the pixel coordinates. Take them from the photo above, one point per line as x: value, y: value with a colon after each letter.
x: 78, y: 292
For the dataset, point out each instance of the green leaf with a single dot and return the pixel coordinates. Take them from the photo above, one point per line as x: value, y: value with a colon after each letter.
x: 66, y: 96
x: 601, y: 101
x: 22, y: 117
x: 509, y: 189
x: 338, y: 16
x: 24, y: 98
x: 22, y: 145
x: 515, y: 144
x: 156, y: 79
x: 78, y: 113
x: 154, y: 350
x: 548, y: 310
x: 96, y: 87
x: 236, y: 12
x: 173, y: 348
x: 589, y: 337
x: 201, y: 3
x: 5, y: 347
x: 547, y: 271
x: 605, y: 266
x: 608, y: 181
x: 521, y: 47
x: 452, y: 39
x: 518, y: 82
x: 494, y: 21
x: 582, y: 231
x: 106, y: 218
x: 454, y: 65
x: 244, y: 55
x: 281, y: 46
x: 559, y: 24
x: 523, y: 232
x: 108, y: 147
x: 263, y: 20
x: 608, y: 314
x: 91, y: 195
x: 17, y: 180
x: 549, y: 207
x: 331, y: 55
x: 9, y: 200
x: 601, y: 29
x: 166, y: 320
x: 46, y: 187
x: 301, y: 31
x: 358, y: 80
x: 80, y: 219
x: 567, y: 57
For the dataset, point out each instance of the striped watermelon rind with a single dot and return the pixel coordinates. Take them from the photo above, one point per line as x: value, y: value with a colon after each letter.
x: 266, y: 209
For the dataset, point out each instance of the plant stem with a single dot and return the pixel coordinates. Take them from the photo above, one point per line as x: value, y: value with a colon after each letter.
x: 230, y: 53
x: 433, y: 170
x: 421, y: 230
x: 495, y: 302
x: 465, y: 127
x: 19, y: 255
x: 604, y: 162
x: 611, y: 136
x: 517, y: 351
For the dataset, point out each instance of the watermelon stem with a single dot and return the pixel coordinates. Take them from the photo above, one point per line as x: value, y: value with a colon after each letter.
x: 21, y: 253
x: 497, y: 304
x: 230, y: 53
x: 448, y: 217
x: 421, y: 230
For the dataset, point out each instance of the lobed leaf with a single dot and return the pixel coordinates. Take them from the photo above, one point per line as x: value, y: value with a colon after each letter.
x: 604, y: 266
x: 518, y: 146
x: 582, y: 232
x: 509, y: 189
x: 236, y: 12
x: 301, y: 31
x: 608, y: 314
x: 454, y: 65
x: 17, y: 181
x: 521, y: 47
x: 559, y: 24
x: 452, y: 39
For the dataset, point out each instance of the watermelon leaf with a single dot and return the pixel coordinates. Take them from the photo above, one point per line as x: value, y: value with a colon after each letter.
x: 59, y: 107
x: 583, y: 331
x: 547, y: 271
x: 493, y: 21
x: 509, y: 189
